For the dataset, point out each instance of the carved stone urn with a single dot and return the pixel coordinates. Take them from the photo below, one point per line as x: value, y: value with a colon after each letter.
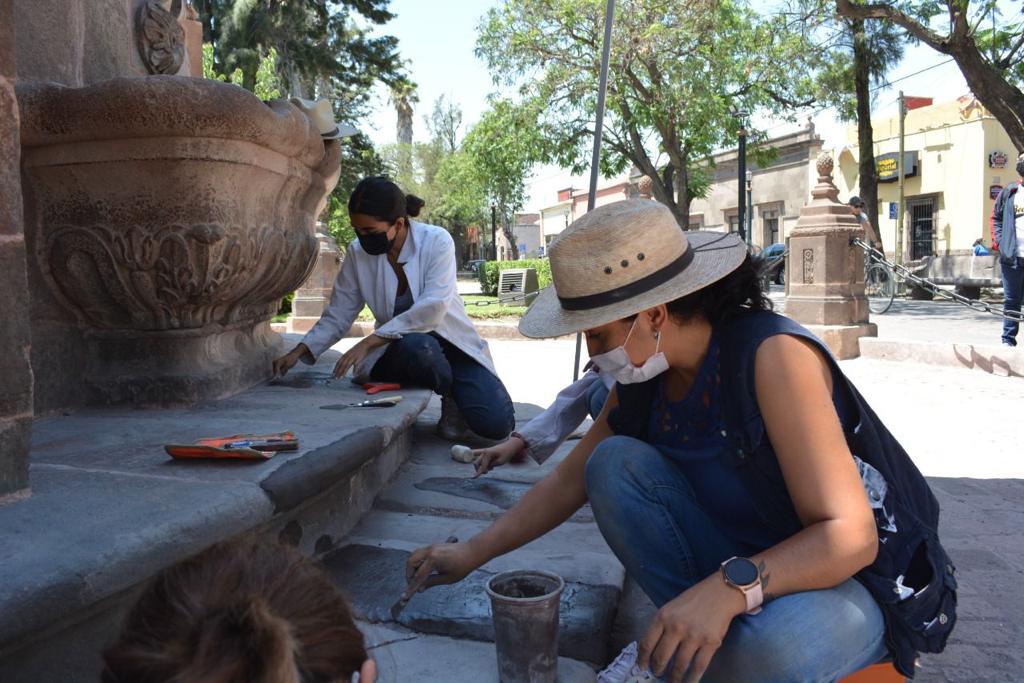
x: 166, y: 217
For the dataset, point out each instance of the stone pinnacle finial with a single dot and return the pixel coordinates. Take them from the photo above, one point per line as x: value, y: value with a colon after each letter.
x: 825, y: 189
x: 645, y: 185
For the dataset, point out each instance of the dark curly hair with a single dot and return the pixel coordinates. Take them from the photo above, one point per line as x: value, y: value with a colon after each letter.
x: 739, y: 292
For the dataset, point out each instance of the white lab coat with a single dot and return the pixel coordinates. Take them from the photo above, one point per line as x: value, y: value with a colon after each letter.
x: 428, y: 257
x: 546, y: 432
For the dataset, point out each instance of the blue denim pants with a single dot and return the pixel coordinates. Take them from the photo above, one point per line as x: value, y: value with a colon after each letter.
x: 432, y: 362
x: 648, y: 514
x: 1013, y: 289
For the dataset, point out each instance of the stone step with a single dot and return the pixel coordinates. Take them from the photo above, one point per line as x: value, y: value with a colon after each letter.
x: 109, y: 508
x: 997, y: 360
x: 432, y: 499
x: 404, y: 655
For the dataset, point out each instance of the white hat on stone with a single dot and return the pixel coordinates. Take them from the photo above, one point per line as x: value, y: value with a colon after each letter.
x: 322, y: 116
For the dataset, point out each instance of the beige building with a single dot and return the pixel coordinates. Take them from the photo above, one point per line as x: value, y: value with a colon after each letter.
x: 778, y: 190
x: 957, y: 159
x: 572, y: 203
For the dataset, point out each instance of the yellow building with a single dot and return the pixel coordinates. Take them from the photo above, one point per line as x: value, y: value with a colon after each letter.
x: 957, y: 157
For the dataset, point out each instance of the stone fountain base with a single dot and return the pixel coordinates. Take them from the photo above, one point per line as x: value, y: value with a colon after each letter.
x: 171, y: 369
x: 166, y: 217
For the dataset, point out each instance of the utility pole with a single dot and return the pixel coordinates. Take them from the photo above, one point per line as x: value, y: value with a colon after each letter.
x: 741, y: 175
x: 494, y: 231
x: 595, y: 162
x: 750, y: 209
x: 899, y: 173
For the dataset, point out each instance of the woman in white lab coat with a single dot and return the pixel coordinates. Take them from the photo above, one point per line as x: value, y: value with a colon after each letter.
x: 405, y: 272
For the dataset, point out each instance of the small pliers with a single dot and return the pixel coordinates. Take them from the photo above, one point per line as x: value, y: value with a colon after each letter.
x: 377, y: 387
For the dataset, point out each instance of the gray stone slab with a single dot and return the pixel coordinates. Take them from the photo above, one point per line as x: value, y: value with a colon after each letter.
x: 577, y: 552
x: 132, y: 441
x: 374, y: 577
x: 84, y: 535
x: 406, y: 656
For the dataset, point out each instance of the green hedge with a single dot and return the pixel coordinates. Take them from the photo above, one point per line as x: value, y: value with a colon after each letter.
x: 489, y: 273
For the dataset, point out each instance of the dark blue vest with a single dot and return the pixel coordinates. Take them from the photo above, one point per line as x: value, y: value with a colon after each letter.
x: 920, y: 617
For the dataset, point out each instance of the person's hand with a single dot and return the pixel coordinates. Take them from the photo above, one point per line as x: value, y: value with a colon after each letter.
x: 496, y: 456
x: 357, y: 354
x: 285, y: 363
x: 690, y: 628
x: 439, y: 564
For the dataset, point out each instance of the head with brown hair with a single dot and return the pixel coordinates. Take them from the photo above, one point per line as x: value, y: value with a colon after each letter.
x: 243, y: 611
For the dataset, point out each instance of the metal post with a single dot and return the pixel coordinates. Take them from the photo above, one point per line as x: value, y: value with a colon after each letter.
x: 899, y: 173
x: 750, y: 210
x: 741, y: 176
x: 609, y: 16
x: 494, y: 231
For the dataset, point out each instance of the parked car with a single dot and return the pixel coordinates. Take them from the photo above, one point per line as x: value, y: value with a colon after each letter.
x: 474, y: 265
x: 773, y: 254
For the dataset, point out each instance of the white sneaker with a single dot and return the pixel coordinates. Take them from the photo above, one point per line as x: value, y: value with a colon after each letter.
x: 625, y: 670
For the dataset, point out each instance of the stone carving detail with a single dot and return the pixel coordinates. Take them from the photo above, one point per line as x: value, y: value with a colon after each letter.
x: 174, y: 277
x: 808, y: 266
x: 160, y: 37
x: 824, y: 164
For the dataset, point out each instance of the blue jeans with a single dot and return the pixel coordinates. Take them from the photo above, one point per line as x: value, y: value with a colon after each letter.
x: 648, y: 514
x: 1013, y: 289
x: 431, y: 362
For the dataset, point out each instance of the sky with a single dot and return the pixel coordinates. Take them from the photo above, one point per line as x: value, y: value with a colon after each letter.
x: 437, y: 39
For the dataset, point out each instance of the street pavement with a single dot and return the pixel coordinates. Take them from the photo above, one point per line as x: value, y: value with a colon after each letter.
x: 958, y: 426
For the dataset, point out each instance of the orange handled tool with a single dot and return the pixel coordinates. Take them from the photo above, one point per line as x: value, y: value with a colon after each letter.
x: 377, y: 387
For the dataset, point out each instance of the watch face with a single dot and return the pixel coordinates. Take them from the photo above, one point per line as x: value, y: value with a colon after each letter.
x: 741, y: 571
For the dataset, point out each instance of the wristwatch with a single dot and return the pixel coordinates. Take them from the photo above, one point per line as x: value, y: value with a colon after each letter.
x: 743, y: 575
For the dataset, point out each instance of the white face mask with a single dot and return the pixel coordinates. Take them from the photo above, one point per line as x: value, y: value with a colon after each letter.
x: 616, y: 363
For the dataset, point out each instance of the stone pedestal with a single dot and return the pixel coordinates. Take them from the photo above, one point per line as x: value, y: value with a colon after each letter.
x: 825, y: 273
x: 165, y: 218
x: 315, y: 293
x: 15, y: 370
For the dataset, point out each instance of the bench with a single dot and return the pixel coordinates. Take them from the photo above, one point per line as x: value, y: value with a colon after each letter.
x: 966, y: 272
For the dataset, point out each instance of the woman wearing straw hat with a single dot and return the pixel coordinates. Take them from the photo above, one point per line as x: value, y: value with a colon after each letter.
x: 404, y: 271
x: 720, y: 471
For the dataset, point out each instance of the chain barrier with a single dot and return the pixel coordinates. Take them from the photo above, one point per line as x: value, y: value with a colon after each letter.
x: 905, y: 273
x: 491, y: 302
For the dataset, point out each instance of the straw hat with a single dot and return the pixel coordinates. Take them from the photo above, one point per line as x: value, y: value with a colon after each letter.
x: 621, y: 259
x: 322, y: 116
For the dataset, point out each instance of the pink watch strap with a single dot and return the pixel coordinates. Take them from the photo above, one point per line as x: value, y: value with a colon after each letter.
x: 755, y: 597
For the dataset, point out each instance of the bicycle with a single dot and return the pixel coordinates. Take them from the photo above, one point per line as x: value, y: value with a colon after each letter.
x: 879, y: 285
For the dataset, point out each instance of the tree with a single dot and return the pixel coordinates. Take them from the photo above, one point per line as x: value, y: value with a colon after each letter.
x: 443, y: 123
x: 679, y: 73
x: 325, y: 48
x: 861, y: 55
x: 503, y: 147
x: 403, y: 99
x: 990, y: 58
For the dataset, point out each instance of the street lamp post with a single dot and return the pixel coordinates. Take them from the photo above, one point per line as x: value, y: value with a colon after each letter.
x: 750, y: 209
x: 741, y: 174
x: 494, y: 231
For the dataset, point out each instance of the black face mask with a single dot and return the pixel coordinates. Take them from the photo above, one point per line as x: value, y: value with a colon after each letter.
x: 375, y: 243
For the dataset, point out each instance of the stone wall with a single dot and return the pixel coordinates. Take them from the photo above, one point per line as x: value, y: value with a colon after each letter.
x: 79, y: 42
x: 15, y: 370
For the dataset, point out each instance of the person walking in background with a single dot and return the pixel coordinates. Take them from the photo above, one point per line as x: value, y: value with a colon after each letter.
x: 1008, y: 239
x: 405, y: 272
